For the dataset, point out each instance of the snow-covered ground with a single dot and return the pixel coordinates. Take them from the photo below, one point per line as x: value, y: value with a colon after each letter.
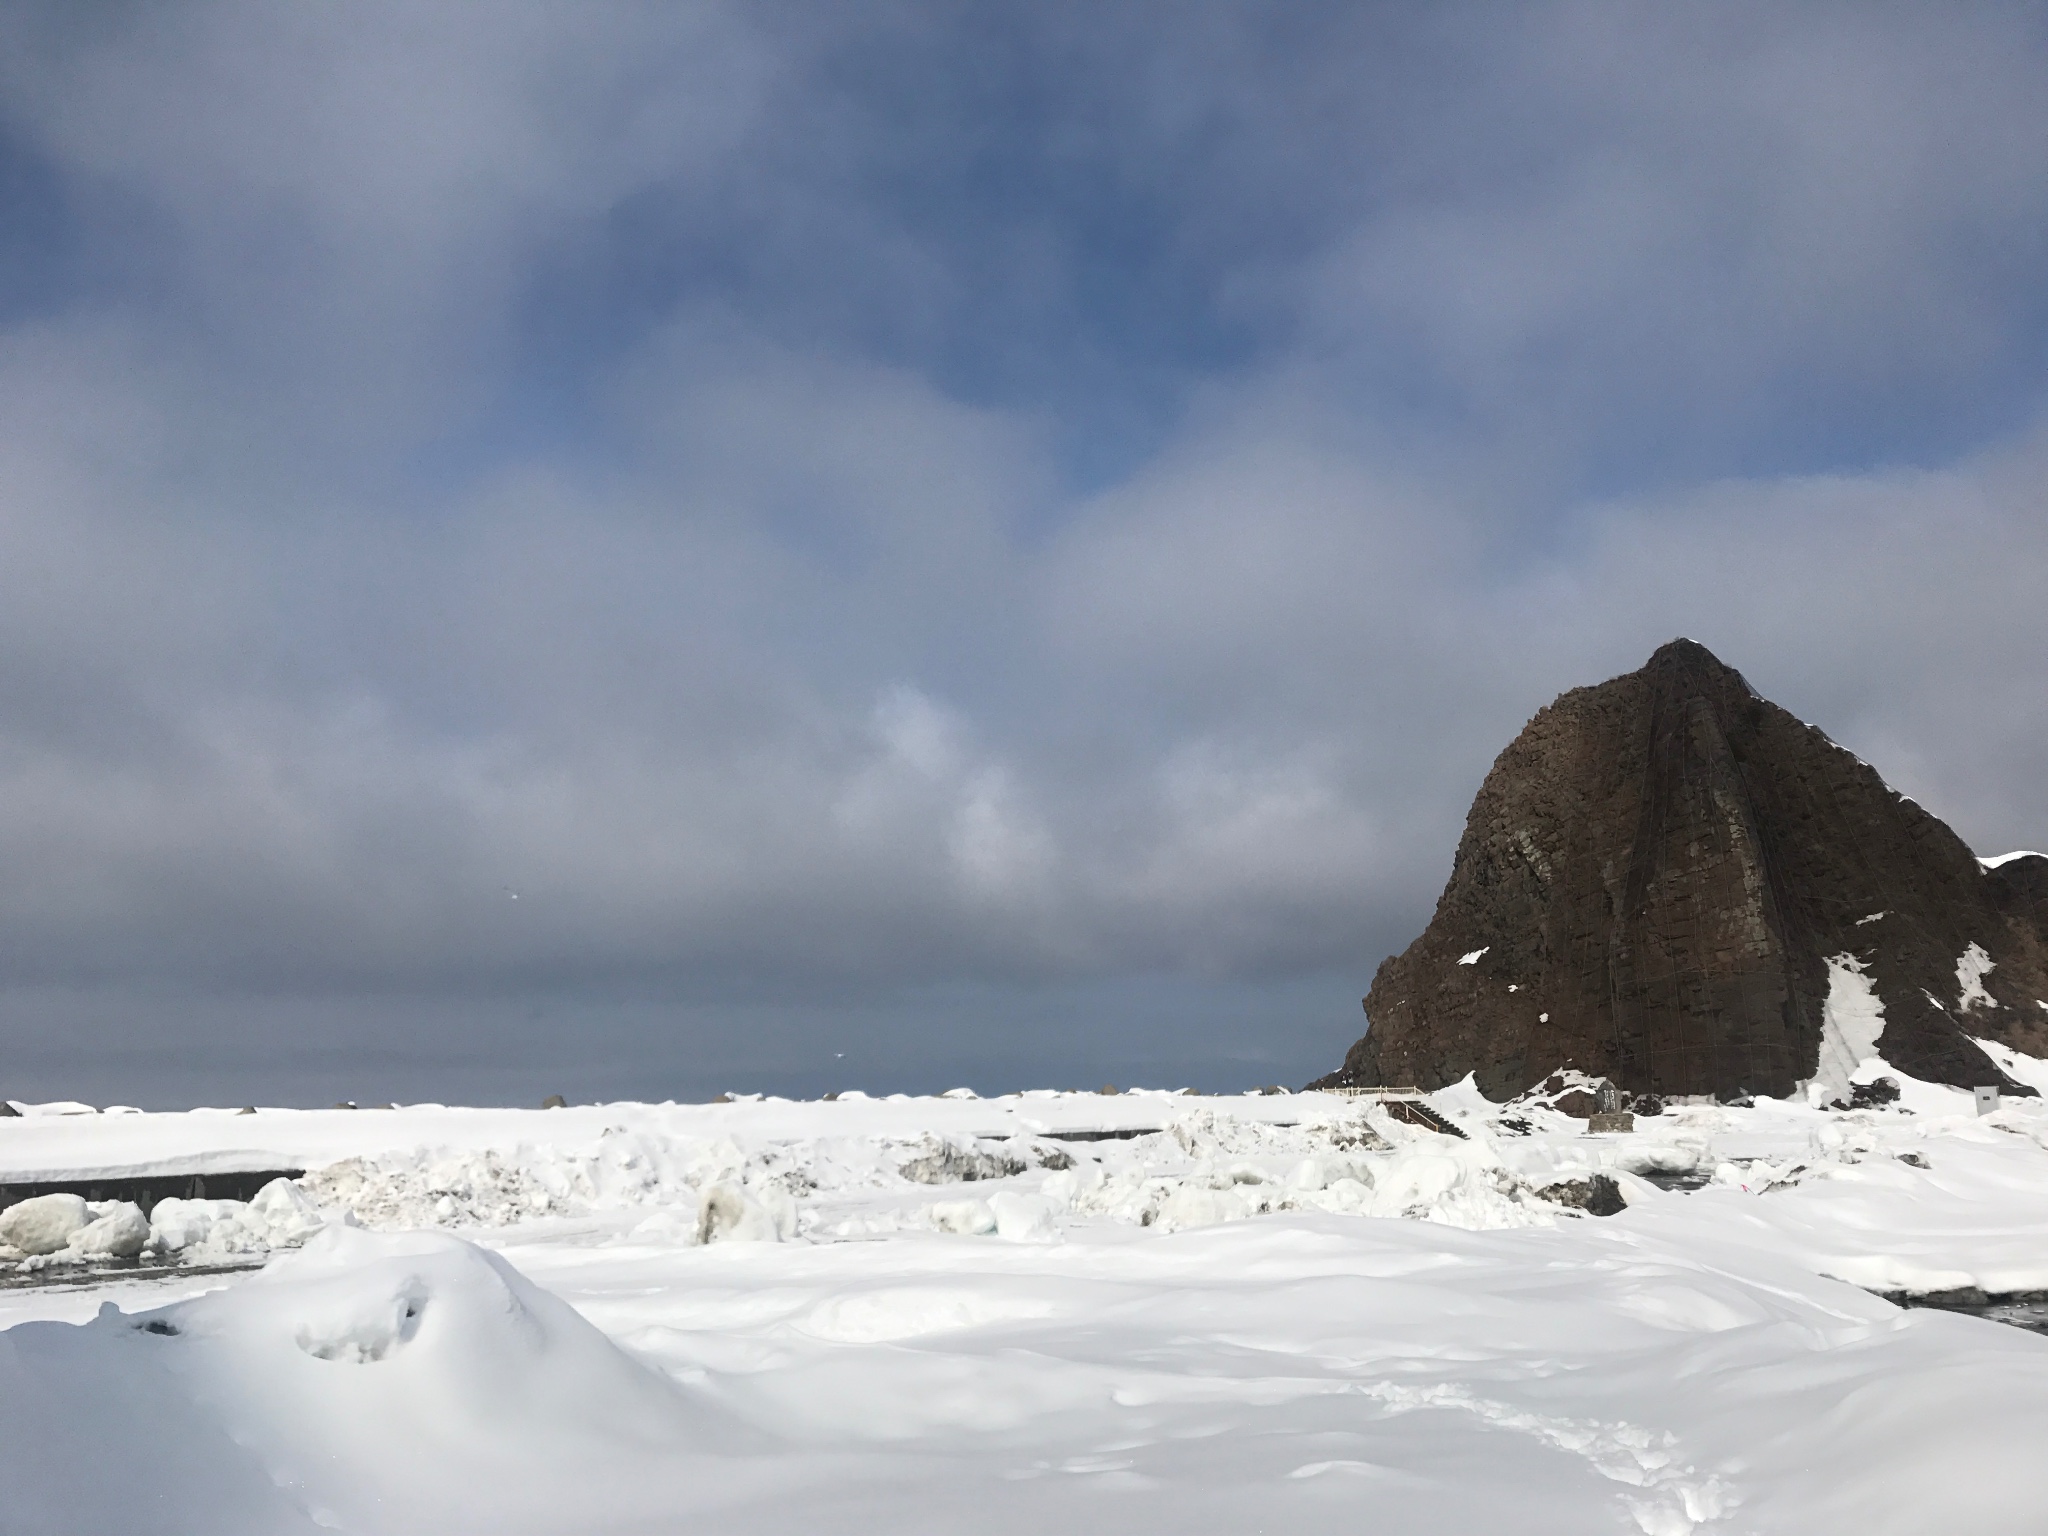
x: 944, y: 1315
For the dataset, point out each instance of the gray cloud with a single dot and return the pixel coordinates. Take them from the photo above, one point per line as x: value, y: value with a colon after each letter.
x: 659, y: 541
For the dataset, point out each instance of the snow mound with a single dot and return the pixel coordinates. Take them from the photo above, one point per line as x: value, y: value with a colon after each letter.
x: 44, y: 1224
x: 423, y: 1368
x: 207, y: 1231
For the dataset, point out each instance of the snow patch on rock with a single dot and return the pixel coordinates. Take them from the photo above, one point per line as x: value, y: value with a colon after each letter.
x: 2006, y: 858
x: 1851, y: 1021
x: 1971, y: 969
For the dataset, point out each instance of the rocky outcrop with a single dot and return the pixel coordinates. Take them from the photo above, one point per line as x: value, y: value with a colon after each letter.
x: 1674, y: 884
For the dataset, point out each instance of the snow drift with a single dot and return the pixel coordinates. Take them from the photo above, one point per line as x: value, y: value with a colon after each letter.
x: 370, y: 1382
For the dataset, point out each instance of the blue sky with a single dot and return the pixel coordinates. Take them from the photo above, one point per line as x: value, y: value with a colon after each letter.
x: 640, y: 550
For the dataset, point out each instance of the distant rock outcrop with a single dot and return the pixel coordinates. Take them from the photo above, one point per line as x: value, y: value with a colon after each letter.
x: 1672, y: 883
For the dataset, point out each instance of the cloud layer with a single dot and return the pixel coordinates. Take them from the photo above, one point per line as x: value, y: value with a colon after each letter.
x: 711, y: 546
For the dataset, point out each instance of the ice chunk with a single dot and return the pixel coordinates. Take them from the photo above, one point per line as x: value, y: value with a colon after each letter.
x: 1023, y: 1218
x: 220, y: 1227
x: 176, y: 1225
x: 1418, y: 1181
x: 290, y: 1218
x: 731, y: 1213
x: 1645, y: 1157
x: 1308, y: 1174
x: 1192, y: 1205
x: 968, y: 1218
x: 1343, y: 1197
x: 1314, y: 1173
x: 1073, y: 1185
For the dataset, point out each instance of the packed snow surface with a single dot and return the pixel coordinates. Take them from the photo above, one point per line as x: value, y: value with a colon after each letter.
x: 946, y: 1315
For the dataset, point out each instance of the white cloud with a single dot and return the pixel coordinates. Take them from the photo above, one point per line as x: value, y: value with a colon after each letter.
x: 757, y: 633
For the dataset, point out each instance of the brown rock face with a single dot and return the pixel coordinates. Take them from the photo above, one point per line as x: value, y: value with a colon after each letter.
x: 1652, y: 884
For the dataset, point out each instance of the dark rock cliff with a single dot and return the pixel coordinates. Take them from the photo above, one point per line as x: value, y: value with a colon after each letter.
x: 1652, y: 885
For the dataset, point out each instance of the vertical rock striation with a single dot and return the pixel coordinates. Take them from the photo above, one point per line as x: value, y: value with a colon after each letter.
x: 1671, y: 882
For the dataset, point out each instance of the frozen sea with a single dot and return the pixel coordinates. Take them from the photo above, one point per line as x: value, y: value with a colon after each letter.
x: 1043, y: 1313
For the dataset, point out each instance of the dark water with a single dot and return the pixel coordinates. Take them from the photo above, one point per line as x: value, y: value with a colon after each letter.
x: 70, y: 1277
x: 1684, y: 1183
x: 2028, y: 1311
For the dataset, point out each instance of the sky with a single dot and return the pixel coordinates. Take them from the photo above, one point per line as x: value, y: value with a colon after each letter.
x: 649, y: 550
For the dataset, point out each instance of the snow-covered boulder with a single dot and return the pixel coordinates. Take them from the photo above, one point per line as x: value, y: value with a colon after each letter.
x: 120, y: 1231
x: 44, y: 1224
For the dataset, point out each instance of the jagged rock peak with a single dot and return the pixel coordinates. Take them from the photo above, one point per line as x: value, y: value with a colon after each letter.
x: 1687, y: 657
x: 1671, y: 882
